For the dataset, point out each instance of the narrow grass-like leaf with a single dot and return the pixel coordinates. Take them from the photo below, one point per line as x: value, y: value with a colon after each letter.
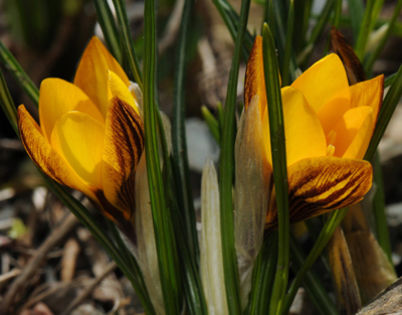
x: 180, y: 158
x: 109, y: 29
x: 279, y: 166
x: 334, y: 219
x: 380, y: 46
x: 11, y: 64
x: 126, y: 41
x: 7, y: 104
x: 365, y: 30
x: 311, y: 282
x: 337, y: 13
x: 226, y: 165
x: 356, y: 13
x: 288, y: 45
x: 263, y: 275
x: 316, y: 31
x: 381, y: 226
x: 389, y: 80
x: 232, y: 21
x: 192, y: 286
x: 302, y: 11
x: 212, y: 123
x: 164, y: 232
x: 387, y: 109
x: 377, y: 7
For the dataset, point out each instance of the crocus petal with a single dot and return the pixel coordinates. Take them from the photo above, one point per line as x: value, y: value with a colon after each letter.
x: 303, y: 131
x: 333, y: 109
x: 117, y: 88
x: 79, y: 139
x: 57, y: 97
x: 255, y: 81
x: 92, y: 73
x: 322, y: 81
x: 45, y: 156
x: 123, y: 145
x: 368, y: 93
x: 353, y: 132
x: 321, y: 184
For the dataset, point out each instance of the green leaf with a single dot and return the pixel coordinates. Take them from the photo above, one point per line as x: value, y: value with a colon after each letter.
x: 387, y: 109
x: 164, y: 232
x: 126, y: 41
x: 334, y: 219
x: 380, y: 222
x: 232, y: 21
x: 212, y: 123
x: 109, y: 29
x: 356, y: 13
x: 279, y: 166
x: 226, y: 165
x: 11, y: 64
x: 7, y: 104
x: 368, y: 65
x: 263, y: 275
x: 312, y: 283
x: 180, y: 158
x: 288, y: 45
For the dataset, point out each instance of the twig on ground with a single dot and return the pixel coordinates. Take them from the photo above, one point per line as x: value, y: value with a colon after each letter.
x: 19, y: 285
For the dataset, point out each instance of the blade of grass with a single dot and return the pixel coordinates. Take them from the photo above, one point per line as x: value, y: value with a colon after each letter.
x: 381, y: 226
x: 263, y: 274
x: 316, y: 292
x: 226, y: 165
x: 191, y: 280
x: 337, y: 13
x: 109, y: 29
x: 379, y: 48
x: 356, y: 13
x: 180, y: 158
x: 302, y: 12
x: 317, y: 31
x: 335, y: 218
x: 278, y: 150
x: 164, y: 233
x: 11, y: 64
x: 127, y: 41
x: 232, y: 20
x: 288, y: 45
x: 212, y: 123
x: 387, y: 109
x: 7, y: 103
x: 364, y: 30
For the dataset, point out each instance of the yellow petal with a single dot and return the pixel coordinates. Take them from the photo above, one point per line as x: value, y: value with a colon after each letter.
x: 92, y: 73
x: 322, y: 81
x: 333, y: 109
x: 368, y: 93
x: 321, y: 184
x: 124, y: 143
x: 39, y: 150
x: 255, y: 81
x: 117, y: 88
x: 56, y: 98
x: 79, y: 139
x: 303, y: 131
x: 353, y: 132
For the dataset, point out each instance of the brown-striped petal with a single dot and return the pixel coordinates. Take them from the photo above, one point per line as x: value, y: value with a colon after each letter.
x: 321, y: 184
x: 123, y: 146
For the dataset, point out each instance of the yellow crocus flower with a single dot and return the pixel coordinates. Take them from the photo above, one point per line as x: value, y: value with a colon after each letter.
x: 328, y: 126
x: 90, y: 134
